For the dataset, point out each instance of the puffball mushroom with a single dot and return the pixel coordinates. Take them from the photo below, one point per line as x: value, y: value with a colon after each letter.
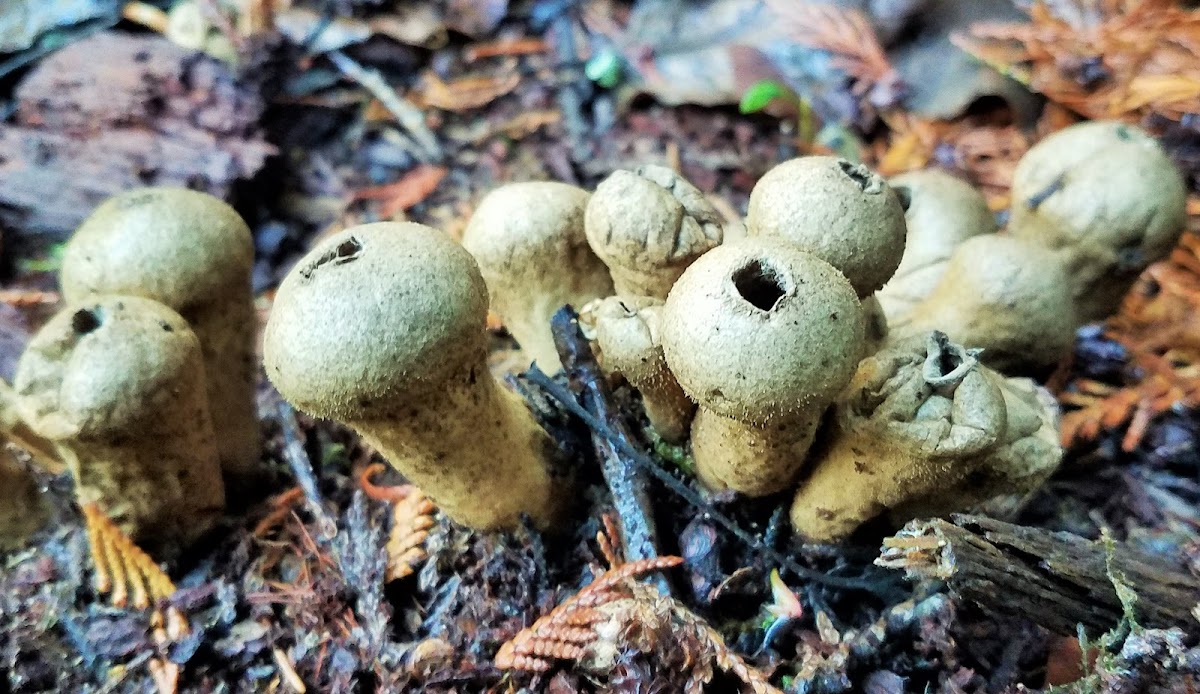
x: 942, y: 211
x: 529, y: 242
x: 762, y: 335
x: 192, y: 252
x: 382, y: 327
x: 923, y: 429
x: 117, y: 382
x: 1009, y: 296
x: 842, y: 212
x: 648, y: 226
x: 1106, y: 193
x: 627, y: 330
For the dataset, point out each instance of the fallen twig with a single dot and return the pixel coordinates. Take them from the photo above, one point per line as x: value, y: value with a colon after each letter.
x: 625, y: 480
x: 411, y: 118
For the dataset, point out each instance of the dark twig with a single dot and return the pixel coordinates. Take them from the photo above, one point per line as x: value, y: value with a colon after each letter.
x: 570, y: 92
x: 301, y: 466
x: 625, y: 479
x: 567, y: 400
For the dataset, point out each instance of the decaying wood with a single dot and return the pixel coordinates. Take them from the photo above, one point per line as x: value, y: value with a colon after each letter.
x: 1055, y: 579
x: 115, y: 111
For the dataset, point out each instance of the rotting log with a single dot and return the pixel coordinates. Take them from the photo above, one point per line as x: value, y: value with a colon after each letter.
x: 117, y: 110
x: 1054, y: 579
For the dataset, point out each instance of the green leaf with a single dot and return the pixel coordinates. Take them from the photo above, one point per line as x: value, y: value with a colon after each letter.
x: 761, y: 93
x: 604, y: 69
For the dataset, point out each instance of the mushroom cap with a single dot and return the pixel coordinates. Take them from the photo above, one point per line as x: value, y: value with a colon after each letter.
x: 528, y: 237
x: 626, y: 330
x: 651, y: 220
x: 107, y: 364
x: 1106, y: 185
x: 759, y: 329
x: 374, y: 313
x: 842, y: 212
x: 173, y: 245
x: 942, y: 212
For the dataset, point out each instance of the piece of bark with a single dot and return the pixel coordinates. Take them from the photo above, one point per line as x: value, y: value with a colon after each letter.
x: 114, y: 111
x: 1054, y: 579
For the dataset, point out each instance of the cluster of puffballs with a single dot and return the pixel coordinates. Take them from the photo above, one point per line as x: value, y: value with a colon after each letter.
x: 861, y: 344
x: 143, y: 384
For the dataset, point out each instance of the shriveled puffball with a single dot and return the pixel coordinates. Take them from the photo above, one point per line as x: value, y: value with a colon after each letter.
x: 842, y: 212
x: 529, y: 242
x: 648, y: 226
x: 1107, y: 193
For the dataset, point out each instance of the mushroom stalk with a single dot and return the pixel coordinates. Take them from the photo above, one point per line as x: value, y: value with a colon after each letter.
x: 627, y: 330
x: 193, y: 253
x: 762, y: 335
x: 382, y: 327
x: 117, y: 382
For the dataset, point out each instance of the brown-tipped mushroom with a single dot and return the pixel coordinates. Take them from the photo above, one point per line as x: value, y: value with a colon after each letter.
x: 648, y: 226
x: 941, y: 212
x: 762, y: 335
x: 117, y: 382
x: 923, y: 429
x: 1006, y: 295
x: 382, y: 327
x: 842, y: 212
x: 627, y: 330
x: 1106, y: 193
x: 529, y: 242
x: 192, y: 252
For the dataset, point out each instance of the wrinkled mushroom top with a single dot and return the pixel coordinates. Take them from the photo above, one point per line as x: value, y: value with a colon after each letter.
x: 627, y: 332
x: 530, y: 231
x: 1104, y: 184
x: 843, y: 212
x: 108, y: 364
x: 942, y: 212
x: 758, y: 329
x: 373, y: 313
x: 650, y: 218
x: 173, y: 245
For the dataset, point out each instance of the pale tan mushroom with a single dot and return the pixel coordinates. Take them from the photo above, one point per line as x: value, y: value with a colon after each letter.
x: 529, y: 242
x: 382, y: 327
x: 762, y: 335
x: 117, y: 382
x: 192, y: 252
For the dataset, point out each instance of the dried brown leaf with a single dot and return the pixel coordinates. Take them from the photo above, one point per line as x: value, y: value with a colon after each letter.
x: 403, y: 194
x: 122, y: 568
x: 465, y: 93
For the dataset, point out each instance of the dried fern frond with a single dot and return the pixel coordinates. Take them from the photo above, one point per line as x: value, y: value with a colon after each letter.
x: 412, y: 517
x: 122, y: 568
x: 1158, y: 324
x: 849, y: 38
x: 1111, y: 59
x: 616, y: 613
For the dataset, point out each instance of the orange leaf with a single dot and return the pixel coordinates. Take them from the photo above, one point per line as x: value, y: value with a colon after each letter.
x: 403, y: 194
x: 466, y: 93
